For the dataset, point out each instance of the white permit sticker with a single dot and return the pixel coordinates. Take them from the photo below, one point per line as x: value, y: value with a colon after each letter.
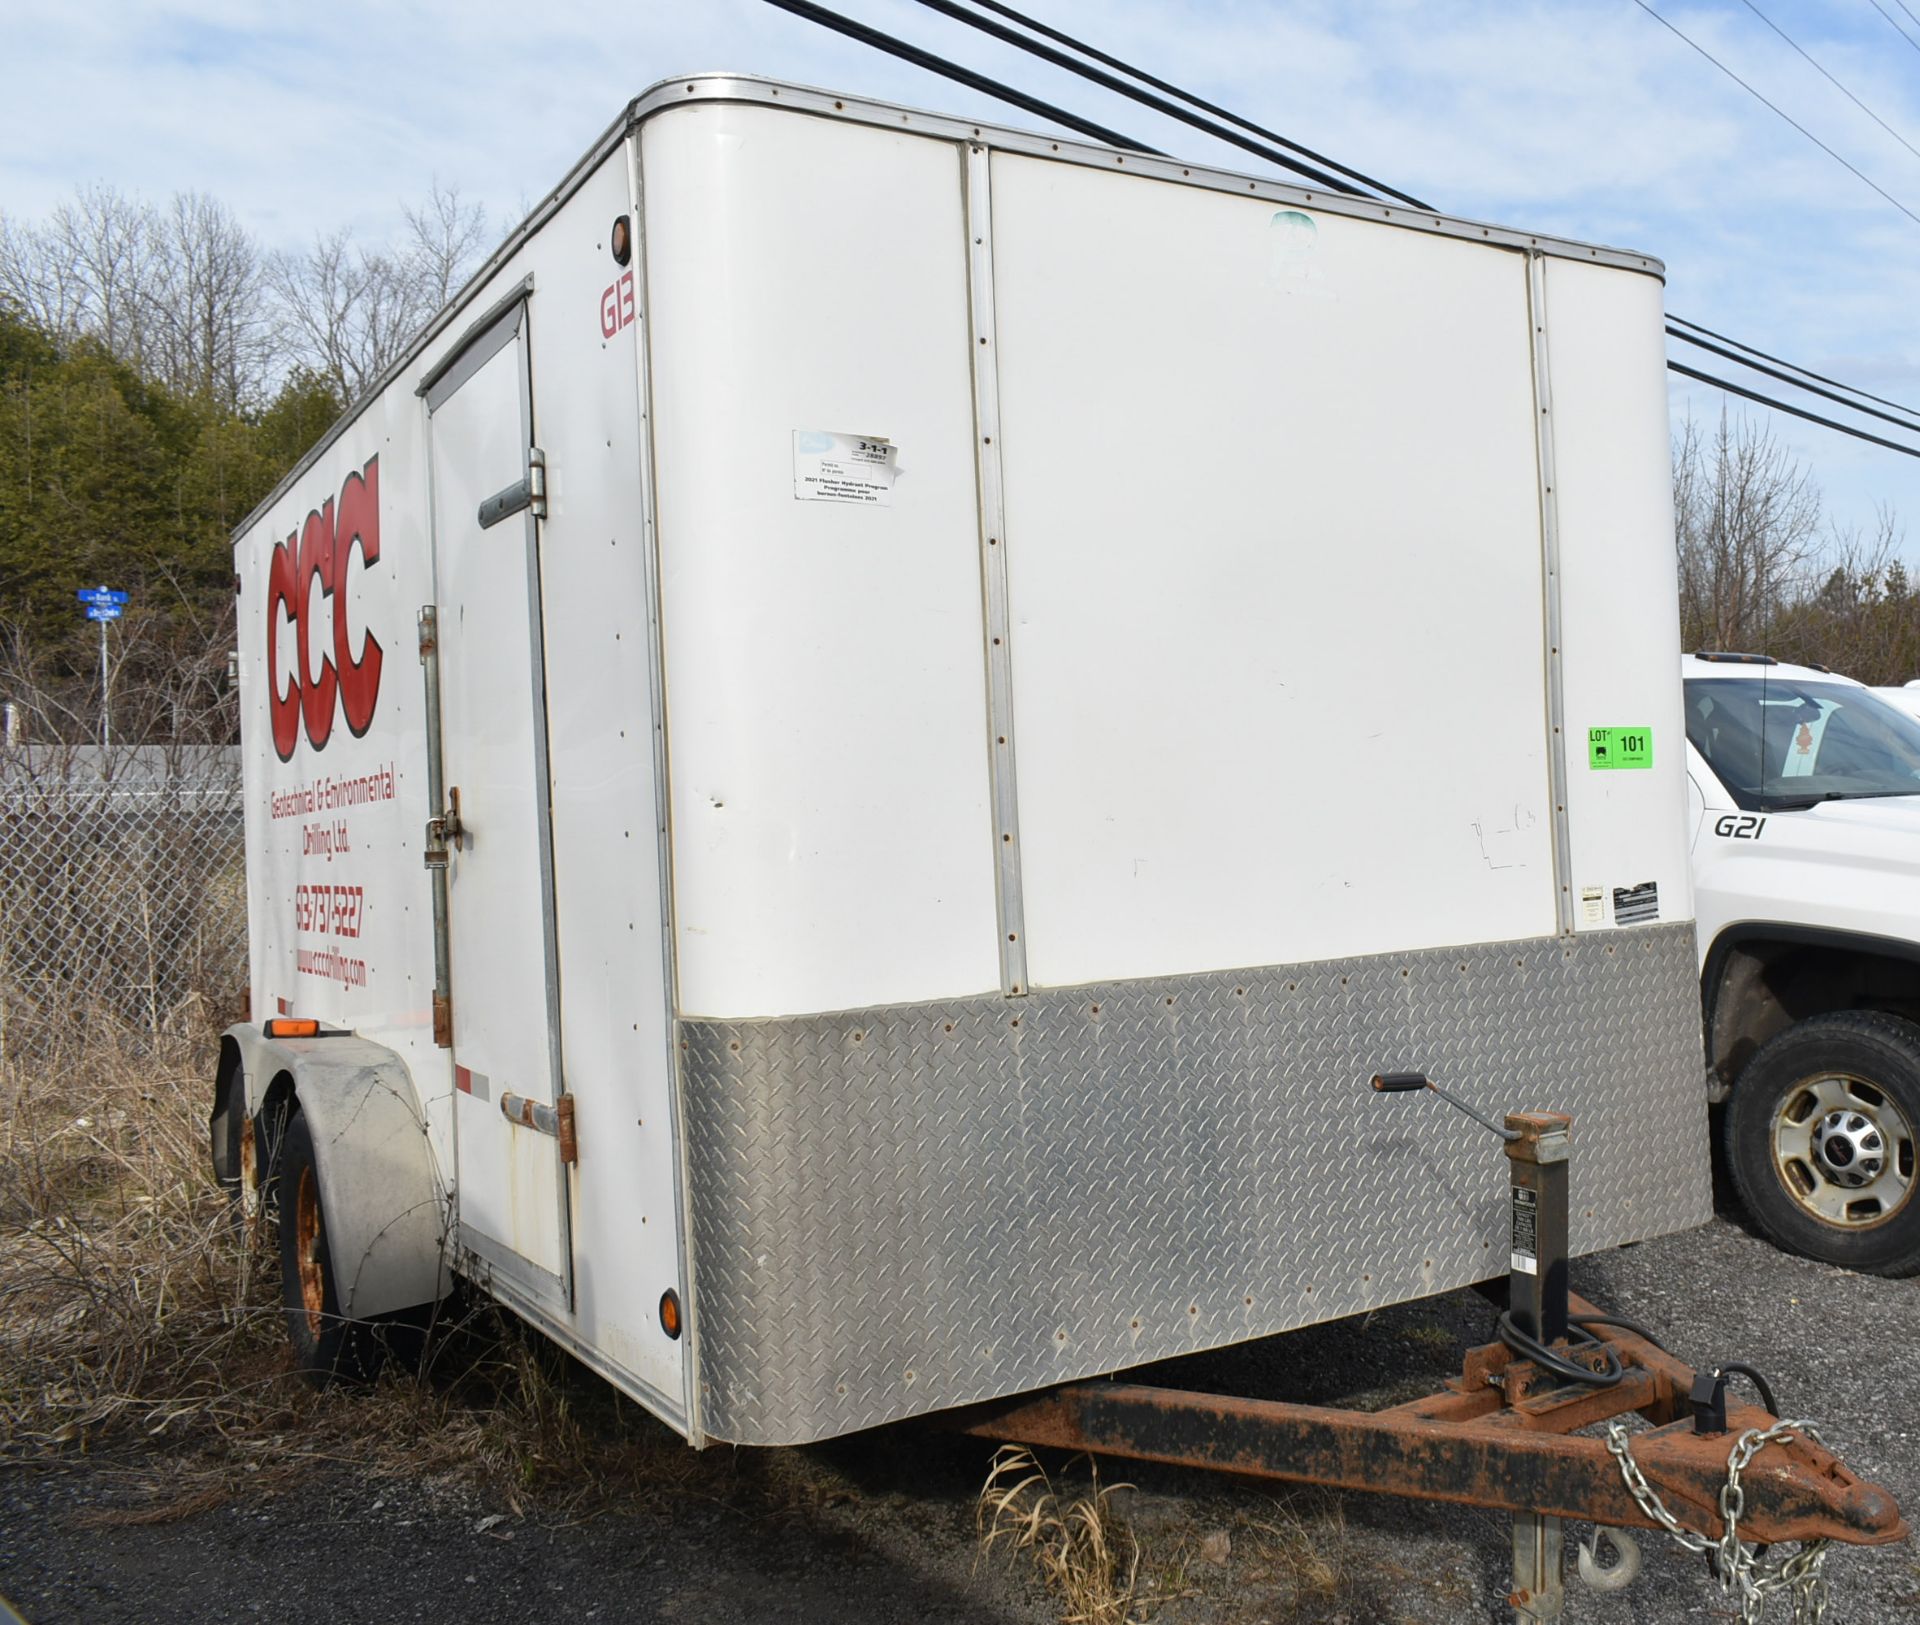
x: 829, y: 467
x: 1593, y: 905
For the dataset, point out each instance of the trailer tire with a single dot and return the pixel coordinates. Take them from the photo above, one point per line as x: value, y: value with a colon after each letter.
x: 1822, y: 1133
x: 226, y: 1127
x: 327, y: 1347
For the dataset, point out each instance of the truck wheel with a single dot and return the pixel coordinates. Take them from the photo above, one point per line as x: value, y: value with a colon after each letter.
x: 326, y: 1345
x: 1821, y: 1141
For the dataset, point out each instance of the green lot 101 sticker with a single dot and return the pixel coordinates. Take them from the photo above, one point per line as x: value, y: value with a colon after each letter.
x: 1619, y: 747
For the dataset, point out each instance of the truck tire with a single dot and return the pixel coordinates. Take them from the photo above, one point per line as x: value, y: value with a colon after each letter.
x: 1821, y: 1141
x: 326, y: 1346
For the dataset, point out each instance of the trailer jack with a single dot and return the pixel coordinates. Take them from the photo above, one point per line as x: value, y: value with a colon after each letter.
x: 1512, y: 1433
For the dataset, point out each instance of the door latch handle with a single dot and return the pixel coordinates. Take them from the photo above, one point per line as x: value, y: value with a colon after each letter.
x: 444, y: 830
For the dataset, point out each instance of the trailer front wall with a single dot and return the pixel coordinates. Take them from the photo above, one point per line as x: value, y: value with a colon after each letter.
x: 1279, y: 564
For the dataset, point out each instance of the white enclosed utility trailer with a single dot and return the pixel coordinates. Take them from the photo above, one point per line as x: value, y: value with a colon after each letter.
x: 860, y: 752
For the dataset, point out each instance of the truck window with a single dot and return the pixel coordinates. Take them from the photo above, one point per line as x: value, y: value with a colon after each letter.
x: 1779, y: 743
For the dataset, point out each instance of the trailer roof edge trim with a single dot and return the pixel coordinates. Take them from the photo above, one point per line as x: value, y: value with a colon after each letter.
x: 751, y: 89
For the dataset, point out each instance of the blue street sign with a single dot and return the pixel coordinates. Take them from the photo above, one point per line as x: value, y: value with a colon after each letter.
x: 104, y: 612
x: 100, y: 595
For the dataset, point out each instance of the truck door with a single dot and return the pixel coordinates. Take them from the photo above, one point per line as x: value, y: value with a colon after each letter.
x: 510, y: 1178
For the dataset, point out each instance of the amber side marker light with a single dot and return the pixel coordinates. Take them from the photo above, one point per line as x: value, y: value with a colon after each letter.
x: 670, y: 1313
x: 292, y: 1027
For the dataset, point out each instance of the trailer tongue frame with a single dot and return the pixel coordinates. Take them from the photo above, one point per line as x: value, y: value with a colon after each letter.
x: 1507, y: 1433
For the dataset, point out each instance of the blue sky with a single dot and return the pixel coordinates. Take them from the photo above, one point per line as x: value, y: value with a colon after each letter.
x: 1582, y: 117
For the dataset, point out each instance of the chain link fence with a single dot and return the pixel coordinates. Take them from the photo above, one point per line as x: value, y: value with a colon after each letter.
x: 122, y: 892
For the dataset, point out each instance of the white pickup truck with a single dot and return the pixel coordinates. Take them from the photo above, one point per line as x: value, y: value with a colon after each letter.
x: 1804, y: 806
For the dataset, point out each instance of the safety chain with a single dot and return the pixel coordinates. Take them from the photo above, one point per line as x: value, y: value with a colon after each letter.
x: 1736, y: 1564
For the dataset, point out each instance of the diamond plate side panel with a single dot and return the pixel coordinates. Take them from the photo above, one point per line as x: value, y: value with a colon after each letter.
x: 900, y: 1210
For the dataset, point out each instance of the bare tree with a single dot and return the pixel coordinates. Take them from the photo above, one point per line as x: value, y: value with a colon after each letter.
x: 185, y: 296
x: 1855, y: 609
x: 86, y: 270
x: 444, y: 237
x: 1761, y: 569
x: 211, y: 334
x: 39, y: 281
x: 176, y: 293
x: 110, y: 237
x: 348, y: 312
x: 1747, y: 519
x: 345, y: 312
x: 167, y: 683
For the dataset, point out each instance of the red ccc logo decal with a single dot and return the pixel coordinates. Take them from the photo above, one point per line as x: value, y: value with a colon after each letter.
x: 319, y: 552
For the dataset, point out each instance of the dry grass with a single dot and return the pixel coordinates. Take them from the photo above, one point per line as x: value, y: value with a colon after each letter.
x: 1087, y: 1558
x: 1301, y: 1545
x: 135, y: 1310
x: 127, y: 1302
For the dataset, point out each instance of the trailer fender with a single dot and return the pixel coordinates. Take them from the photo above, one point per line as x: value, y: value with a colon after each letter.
x: 381, y: 1196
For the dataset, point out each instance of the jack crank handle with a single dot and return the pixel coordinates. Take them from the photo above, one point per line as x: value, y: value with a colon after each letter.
x: 1400, y: 1083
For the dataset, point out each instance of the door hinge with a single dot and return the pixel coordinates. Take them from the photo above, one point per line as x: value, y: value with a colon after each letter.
x: 537, y: 482
x: 556, y: 1120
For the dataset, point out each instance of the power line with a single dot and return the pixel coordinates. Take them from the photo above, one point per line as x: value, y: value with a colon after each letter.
x: 1806, y: 372
x: 1857, y: 102
x: 1799, y: 412
x: 1894, y: 24
x: 1902, y: 4
x: 1046, y: 53
x: 1662, y: 21
x: 962, y: 76
x: 1034, y: 25
x: 1788, y: 378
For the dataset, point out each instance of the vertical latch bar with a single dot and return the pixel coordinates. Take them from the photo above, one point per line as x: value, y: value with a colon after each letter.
x: 434, y: 850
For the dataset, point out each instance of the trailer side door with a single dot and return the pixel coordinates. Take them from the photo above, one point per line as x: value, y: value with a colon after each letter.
x: 511, y: 1181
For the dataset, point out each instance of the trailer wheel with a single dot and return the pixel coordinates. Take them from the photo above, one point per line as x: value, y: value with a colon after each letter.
x: 326, y: 1345
x: 1821, y: 1141
x: 225, y: 1128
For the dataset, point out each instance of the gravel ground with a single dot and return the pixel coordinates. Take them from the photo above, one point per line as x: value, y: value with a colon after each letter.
x: 880, y: 1528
